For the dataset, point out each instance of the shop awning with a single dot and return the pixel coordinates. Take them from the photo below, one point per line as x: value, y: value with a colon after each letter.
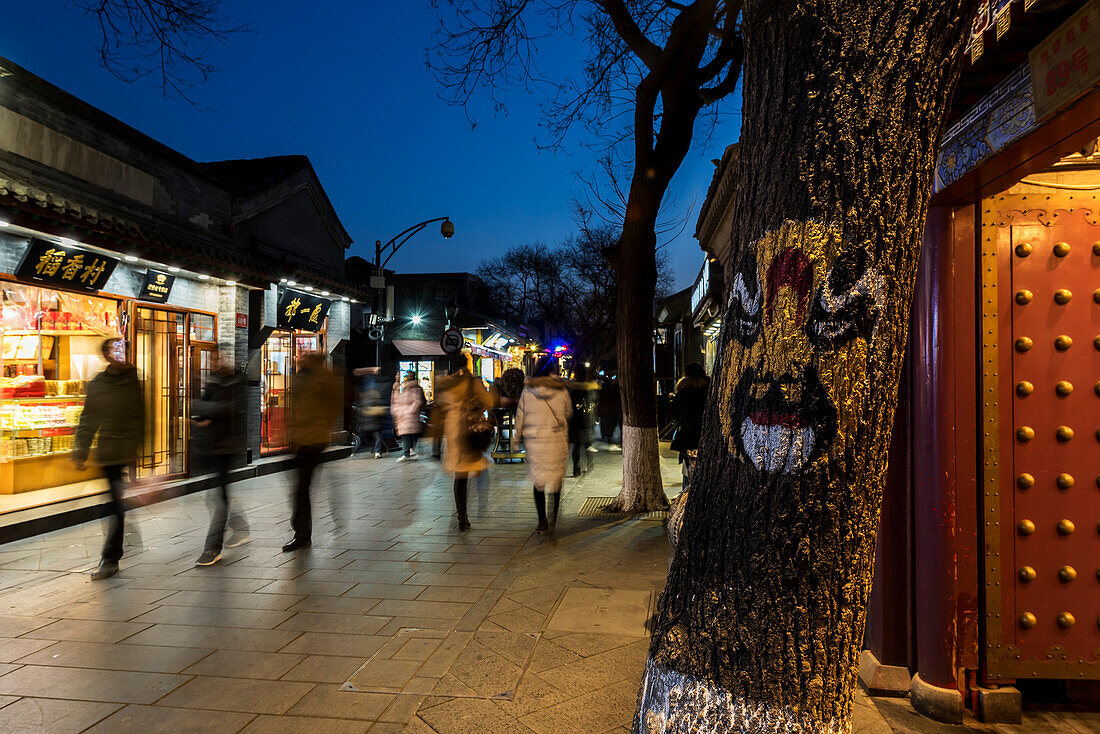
x: 418, y: 348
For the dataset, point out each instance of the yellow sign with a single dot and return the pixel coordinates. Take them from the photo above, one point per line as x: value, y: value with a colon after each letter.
x: 292, y: 307
x: 1067, y: 63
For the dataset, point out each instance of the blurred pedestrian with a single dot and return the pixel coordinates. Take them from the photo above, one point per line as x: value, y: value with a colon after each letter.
x: 582, y: 426
x: 372, y: 406
x: 216, y: 412
x: 610, y: 410
x: 114, y: 410
x: 406, y: 405
x: 315, y: 398
x: 542, y: 424
x: 464, y: 404
x: 434, y: 429
x: 690, y: 400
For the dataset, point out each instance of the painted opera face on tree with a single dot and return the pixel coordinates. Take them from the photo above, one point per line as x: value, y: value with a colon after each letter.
x: 803, y: 309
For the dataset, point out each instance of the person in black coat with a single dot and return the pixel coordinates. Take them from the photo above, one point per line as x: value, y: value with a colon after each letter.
x: 690, y: 398
x: 114, y: 411
x: 610, y: 410
x: 217, y: 412
x: 372, y: 406
x: 582, y: 425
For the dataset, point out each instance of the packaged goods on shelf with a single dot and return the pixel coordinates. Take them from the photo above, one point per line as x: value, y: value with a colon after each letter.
x: 23, y: 386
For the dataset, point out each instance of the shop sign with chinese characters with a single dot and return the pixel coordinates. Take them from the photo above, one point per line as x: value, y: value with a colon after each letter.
x: 1067, y: 64
x: 157, y: 286
x: 68, y: 267
x: 299, y: 310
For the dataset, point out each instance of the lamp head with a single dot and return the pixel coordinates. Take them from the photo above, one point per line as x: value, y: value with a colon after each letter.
x: 447, y: 229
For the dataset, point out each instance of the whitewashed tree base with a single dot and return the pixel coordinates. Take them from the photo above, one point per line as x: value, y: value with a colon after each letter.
x: 642, y: 489
x: 674, y: 703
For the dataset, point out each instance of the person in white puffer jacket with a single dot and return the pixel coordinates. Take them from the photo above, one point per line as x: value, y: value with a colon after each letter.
x: 542, y: 424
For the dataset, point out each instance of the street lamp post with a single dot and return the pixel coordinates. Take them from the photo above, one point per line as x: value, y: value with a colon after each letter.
x: 447, y: 229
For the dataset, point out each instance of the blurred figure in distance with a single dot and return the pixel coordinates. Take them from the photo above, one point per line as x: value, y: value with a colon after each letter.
x: 582, y: 426
x: 216, y: 412
x: 690, y: 395
x: 315, y: 398
x: 610, y: 410
x: 372, y: 405
x: 114, y: 409
x: 406, y: 404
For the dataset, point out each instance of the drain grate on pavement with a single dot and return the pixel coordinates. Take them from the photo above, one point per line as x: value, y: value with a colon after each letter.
x: 482, y: 664
x: 594, y: 507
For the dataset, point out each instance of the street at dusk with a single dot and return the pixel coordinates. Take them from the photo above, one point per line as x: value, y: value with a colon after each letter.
x: 550, y: 366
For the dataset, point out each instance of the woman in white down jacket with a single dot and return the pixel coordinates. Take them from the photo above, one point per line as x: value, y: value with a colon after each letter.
x: 542, y: 424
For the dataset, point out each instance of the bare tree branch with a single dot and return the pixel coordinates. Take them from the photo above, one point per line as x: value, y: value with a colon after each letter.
x: 632, y: 35
x: 167, y: 38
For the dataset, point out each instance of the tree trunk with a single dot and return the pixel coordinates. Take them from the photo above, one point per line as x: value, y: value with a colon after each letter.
x: 642, y: 489
x: 760, y: 624
x: 657, y: 158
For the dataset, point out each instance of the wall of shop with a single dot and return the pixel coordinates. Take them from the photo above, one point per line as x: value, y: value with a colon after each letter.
x: 101, y: 156
x: 339, y: 323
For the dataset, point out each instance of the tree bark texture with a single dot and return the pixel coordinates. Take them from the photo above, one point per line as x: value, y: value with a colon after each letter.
x: 761, y: 621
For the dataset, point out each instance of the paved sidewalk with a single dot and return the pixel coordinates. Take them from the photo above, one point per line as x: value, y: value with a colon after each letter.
x: 393, y: 621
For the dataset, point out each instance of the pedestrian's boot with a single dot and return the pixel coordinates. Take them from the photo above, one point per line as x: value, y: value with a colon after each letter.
x: 460, y: 506
x: 552, y: 520
x: 107, y: 569
x: 296, y: 543
x: 540, y: 508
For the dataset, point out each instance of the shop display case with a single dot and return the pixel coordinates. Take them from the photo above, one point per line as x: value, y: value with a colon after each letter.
x: 49, y: 348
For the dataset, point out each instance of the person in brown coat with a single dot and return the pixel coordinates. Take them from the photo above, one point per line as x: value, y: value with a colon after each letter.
x: 460, y: 395
x: 316, y: 398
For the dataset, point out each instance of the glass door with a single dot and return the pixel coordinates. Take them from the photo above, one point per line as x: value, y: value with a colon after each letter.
x: 160, y: 354
x: 278, y: 366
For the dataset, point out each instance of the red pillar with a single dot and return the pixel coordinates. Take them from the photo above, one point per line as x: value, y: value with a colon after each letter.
x: 934, y: 428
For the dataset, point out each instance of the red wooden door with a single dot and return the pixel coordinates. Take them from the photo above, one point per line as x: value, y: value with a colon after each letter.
x: 1042, y: 365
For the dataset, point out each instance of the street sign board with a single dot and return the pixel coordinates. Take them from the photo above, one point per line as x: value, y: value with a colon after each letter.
x: 70, y: 267
x: 1066, y: 64
x: 157, y: 286
x: 452, y: 341
x: 303, y: 311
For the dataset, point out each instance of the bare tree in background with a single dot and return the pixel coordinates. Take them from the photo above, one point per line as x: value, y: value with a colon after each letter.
x: 568, y: 290
x: 652, y: 69
x: 167, y: 39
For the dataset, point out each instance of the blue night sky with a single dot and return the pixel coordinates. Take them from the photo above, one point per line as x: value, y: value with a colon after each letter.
x: 346, y: 84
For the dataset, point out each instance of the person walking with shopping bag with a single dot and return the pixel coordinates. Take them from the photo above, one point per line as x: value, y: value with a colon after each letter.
x: 406, y: 405
x: 464, y: 406
x: 542, y: 425
x: 114, y: 410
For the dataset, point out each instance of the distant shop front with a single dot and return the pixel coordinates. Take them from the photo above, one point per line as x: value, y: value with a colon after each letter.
x: 706, y: 310
x: 302, y: 320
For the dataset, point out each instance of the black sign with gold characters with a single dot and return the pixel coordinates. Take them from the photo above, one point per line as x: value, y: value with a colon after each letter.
x: 69, y: 267
x: 157, y: 286
x: 303, y: 311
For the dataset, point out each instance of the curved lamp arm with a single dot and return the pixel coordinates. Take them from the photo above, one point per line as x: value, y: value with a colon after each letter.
x: 447, y: 229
